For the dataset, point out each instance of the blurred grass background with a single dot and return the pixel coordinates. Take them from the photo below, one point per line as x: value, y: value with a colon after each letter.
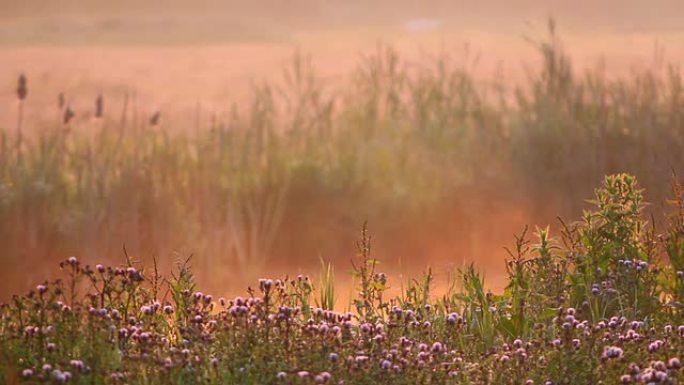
x: 440, y: 164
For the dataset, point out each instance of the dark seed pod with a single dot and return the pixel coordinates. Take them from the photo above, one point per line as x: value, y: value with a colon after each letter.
x: 68, y: 115
x: 154, y: 119
x: 22, y: 88
x: 99, y: 106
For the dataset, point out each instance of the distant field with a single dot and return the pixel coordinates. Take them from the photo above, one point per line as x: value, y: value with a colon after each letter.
x: 175, y: 58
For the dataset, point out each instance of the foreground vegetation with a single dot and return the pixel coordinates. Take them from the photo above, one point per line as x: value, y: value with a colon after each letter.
x: 601, y: 304
x: 395, y: 142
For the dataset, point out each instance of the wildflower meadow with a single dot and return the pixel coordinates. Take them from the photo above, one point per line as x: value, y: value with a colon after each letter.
x: 601, y: 302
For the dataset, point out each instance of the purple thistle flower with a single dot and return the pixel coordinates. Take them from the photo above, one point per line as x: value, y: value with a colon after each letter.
x: 360, y: 359
x: 322, y: 378
x: 77, y: 364
x: 674, y: 363
x: 654, y: 346
x: 595, y: 289
x: 452, y: 318
x: 58, y: 376
x: 521, y: 352
x: 437, y: 347
x: 612, y: 352
x: 302, y: 374
x: 281, y: 376
x: 658, y: 366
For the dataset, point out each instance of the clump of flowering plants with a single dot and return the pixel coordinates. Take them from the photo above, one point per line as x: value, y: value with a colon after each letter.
x: 601, y: 304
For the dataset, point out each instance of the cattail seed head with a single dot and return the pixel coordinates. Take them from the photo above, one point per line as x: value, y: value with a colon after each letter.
x: 68, y: 115
x: 155, y: 118
x: 22, y: 88
x: 99, y: 106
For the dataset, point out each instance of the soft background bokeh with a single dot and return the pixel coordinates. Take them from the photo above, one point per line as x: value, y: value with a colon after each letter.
x: 285, y: 125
